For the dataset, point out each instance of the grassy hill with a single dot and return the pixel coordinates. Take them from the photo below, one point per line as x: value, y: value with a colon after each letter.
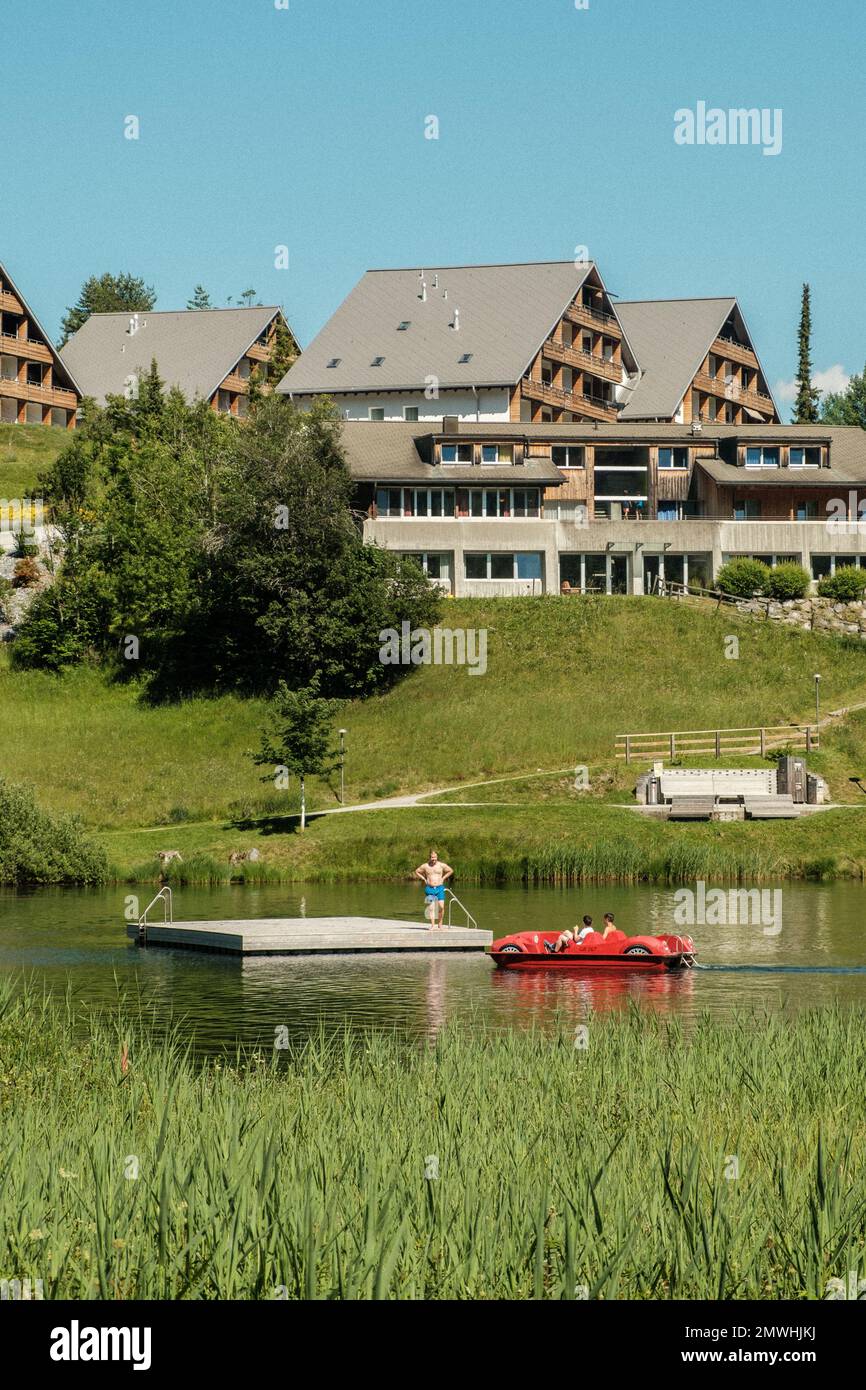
x: 25, y: 452
x: 564, y: 676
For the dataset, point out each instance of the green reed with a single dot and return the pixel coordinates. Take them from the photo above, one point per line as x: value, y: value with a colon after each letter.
x: 661, y: 1160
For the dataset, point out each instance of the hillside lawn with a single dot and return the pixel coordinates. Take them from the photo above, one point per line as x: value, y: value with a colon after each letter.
x: 564, y: 676
x: 25, y: 452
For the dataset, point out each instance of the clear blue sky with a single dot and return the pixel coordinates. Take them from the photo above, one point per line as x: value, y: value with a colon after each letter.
x: 262, y: 126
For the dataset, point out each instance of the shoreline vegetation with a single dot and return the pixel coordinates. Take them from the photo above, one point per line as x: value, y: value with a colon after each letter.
x: 661, y: 1160
x: 535, y: 845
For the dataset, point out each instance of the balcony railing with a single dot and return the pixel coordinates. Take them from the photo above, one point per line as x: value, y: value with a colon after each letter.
x: 733, y: 392
x: 582, y: 313
x: 24, y: 347
x: 47, y: 395
x: 568, y: 400
x: 736, y: 352
x: 591, y: 362
x: 10, y: 303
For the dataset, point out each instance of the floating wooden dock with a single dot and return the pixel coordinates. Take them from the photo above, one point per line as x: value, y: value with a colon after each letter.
x: 306, y: 936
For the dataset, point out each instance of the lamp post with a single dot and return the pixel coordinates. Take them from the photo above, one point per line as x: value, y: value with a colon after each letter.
x: 817, y: 703
x: 342, y: 765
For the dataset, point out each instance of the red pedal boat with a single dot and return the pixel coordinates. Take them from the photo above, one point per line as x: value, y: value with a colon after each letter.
x: 525, y: 951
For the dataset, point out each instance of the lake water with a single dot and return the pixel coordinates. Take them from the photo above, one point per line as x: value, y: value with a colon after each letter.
x: 76, y: 940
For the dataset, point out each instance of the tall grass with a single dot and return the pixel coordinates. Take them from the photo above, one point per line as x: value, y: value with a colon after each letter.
x: 726, y: 1162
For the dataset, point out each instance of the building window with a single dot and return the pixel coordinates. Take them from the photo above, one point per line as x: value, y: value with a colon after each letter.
x: 33, y: 414
x: 59, y: 417
x: 401, y: 327
x: 410, y: 412
x: 823, y: 565
x: 335, y: 362
x: 807, y: 511
x: 418, y: 501
x: 497, y: 453
x: 504, y: 502
x: 467, y: 357
x: 747, y: 509
x: 9, y: 368
x: 456, y: 453
x: 673, y: 458
x: 499, y: 565
x: 801, y: 457
x: 377, y: 412
x: 389, y: 501
x: 586, y: 344
x: 568, y: 455
x: 762, y: 457
x: 377, y: 361
x: 435, y: 564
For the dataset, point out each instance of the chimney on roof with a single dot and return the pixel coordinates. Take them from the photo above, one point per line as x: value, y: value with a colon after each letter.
x: 444, y: 294
x: 436, y: 282
x: 450, y: 424
x: 456, y: 324
x: 696, y: 427
x: 133, y: 325
x: 423, y: 294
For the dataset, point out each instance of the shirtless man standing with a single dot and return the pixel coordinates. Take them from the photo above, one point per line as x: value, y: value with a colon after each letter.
x: 434, y: 874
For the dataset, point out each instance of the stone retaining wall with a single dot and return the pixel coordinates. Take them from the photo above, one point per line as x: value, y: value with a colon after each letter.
x: 814, y: 614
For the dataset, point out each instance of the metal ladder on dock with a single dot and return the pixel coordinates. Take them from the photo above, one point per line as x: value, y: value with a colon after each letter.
x: 168, y: 913
x: 452, y: 899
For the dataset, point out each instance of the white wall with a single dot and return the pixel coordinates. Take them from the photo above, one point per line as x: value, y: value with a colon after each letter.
x: 489, y: 405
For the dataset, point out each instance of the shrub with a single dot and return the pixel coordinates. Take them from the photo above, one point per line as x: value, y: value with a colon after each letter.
x: 23, y: 548
x: 26, y: 573
x: 788, y: 581
x: 5, y: 591
x: 743, y: 578
x: 847, y: 584
x: 36, y: 847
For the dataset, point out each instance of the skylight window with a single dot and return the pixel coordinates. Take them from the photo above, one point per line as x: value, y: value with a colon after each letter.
x: 467, y: 357
x: 401, y: 327
x: 335, y: 361
x: 377, y: 361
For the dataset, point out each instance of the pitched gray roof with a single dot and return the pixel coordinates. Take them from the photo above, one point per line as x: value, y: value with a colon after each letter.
x: 506, y: 312
x: 63, y: 367
x: 671, y: 338
x: 379, y: 451
x: 194, y: 348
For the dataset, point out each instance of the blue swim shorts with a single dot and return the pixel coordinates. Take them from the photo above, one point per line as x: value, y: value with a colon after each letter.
x: 436, y: 892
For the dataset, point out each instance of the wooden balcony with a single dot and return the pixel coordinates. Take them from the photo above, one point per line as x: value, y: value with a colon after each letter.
x: 593, y: 318
x: 590, y: 362
x: 734, y: 352
x: 259, y: 353
x: 716, y: 386
x: 25, y: 347
x: 235, y: 382
x: 10, y: 303
x: 43, y: 395
x: 567, y: 400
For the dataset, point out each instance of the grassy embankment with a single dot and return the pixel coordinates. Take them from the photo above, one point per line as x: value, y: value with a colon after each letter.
x: 564, y: 676
x: 25, y: 452
x: 650, y: 1165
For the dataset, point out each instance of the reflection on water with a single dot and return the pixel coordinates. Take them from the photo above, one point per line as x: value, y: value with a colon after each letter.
x: 77, y: 940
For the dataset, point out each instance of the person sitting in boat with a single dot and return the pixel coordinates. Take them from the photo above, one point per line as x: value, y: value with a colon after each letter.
x: 567, y: 937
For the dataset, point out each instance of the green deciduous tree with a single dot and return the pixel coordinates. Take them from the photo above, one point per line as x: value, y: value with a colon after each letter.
x: 297, y: 741
x: 808, y: 396
x: 229, y: 550
x: 847, y: 407
x: 107, y: 294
